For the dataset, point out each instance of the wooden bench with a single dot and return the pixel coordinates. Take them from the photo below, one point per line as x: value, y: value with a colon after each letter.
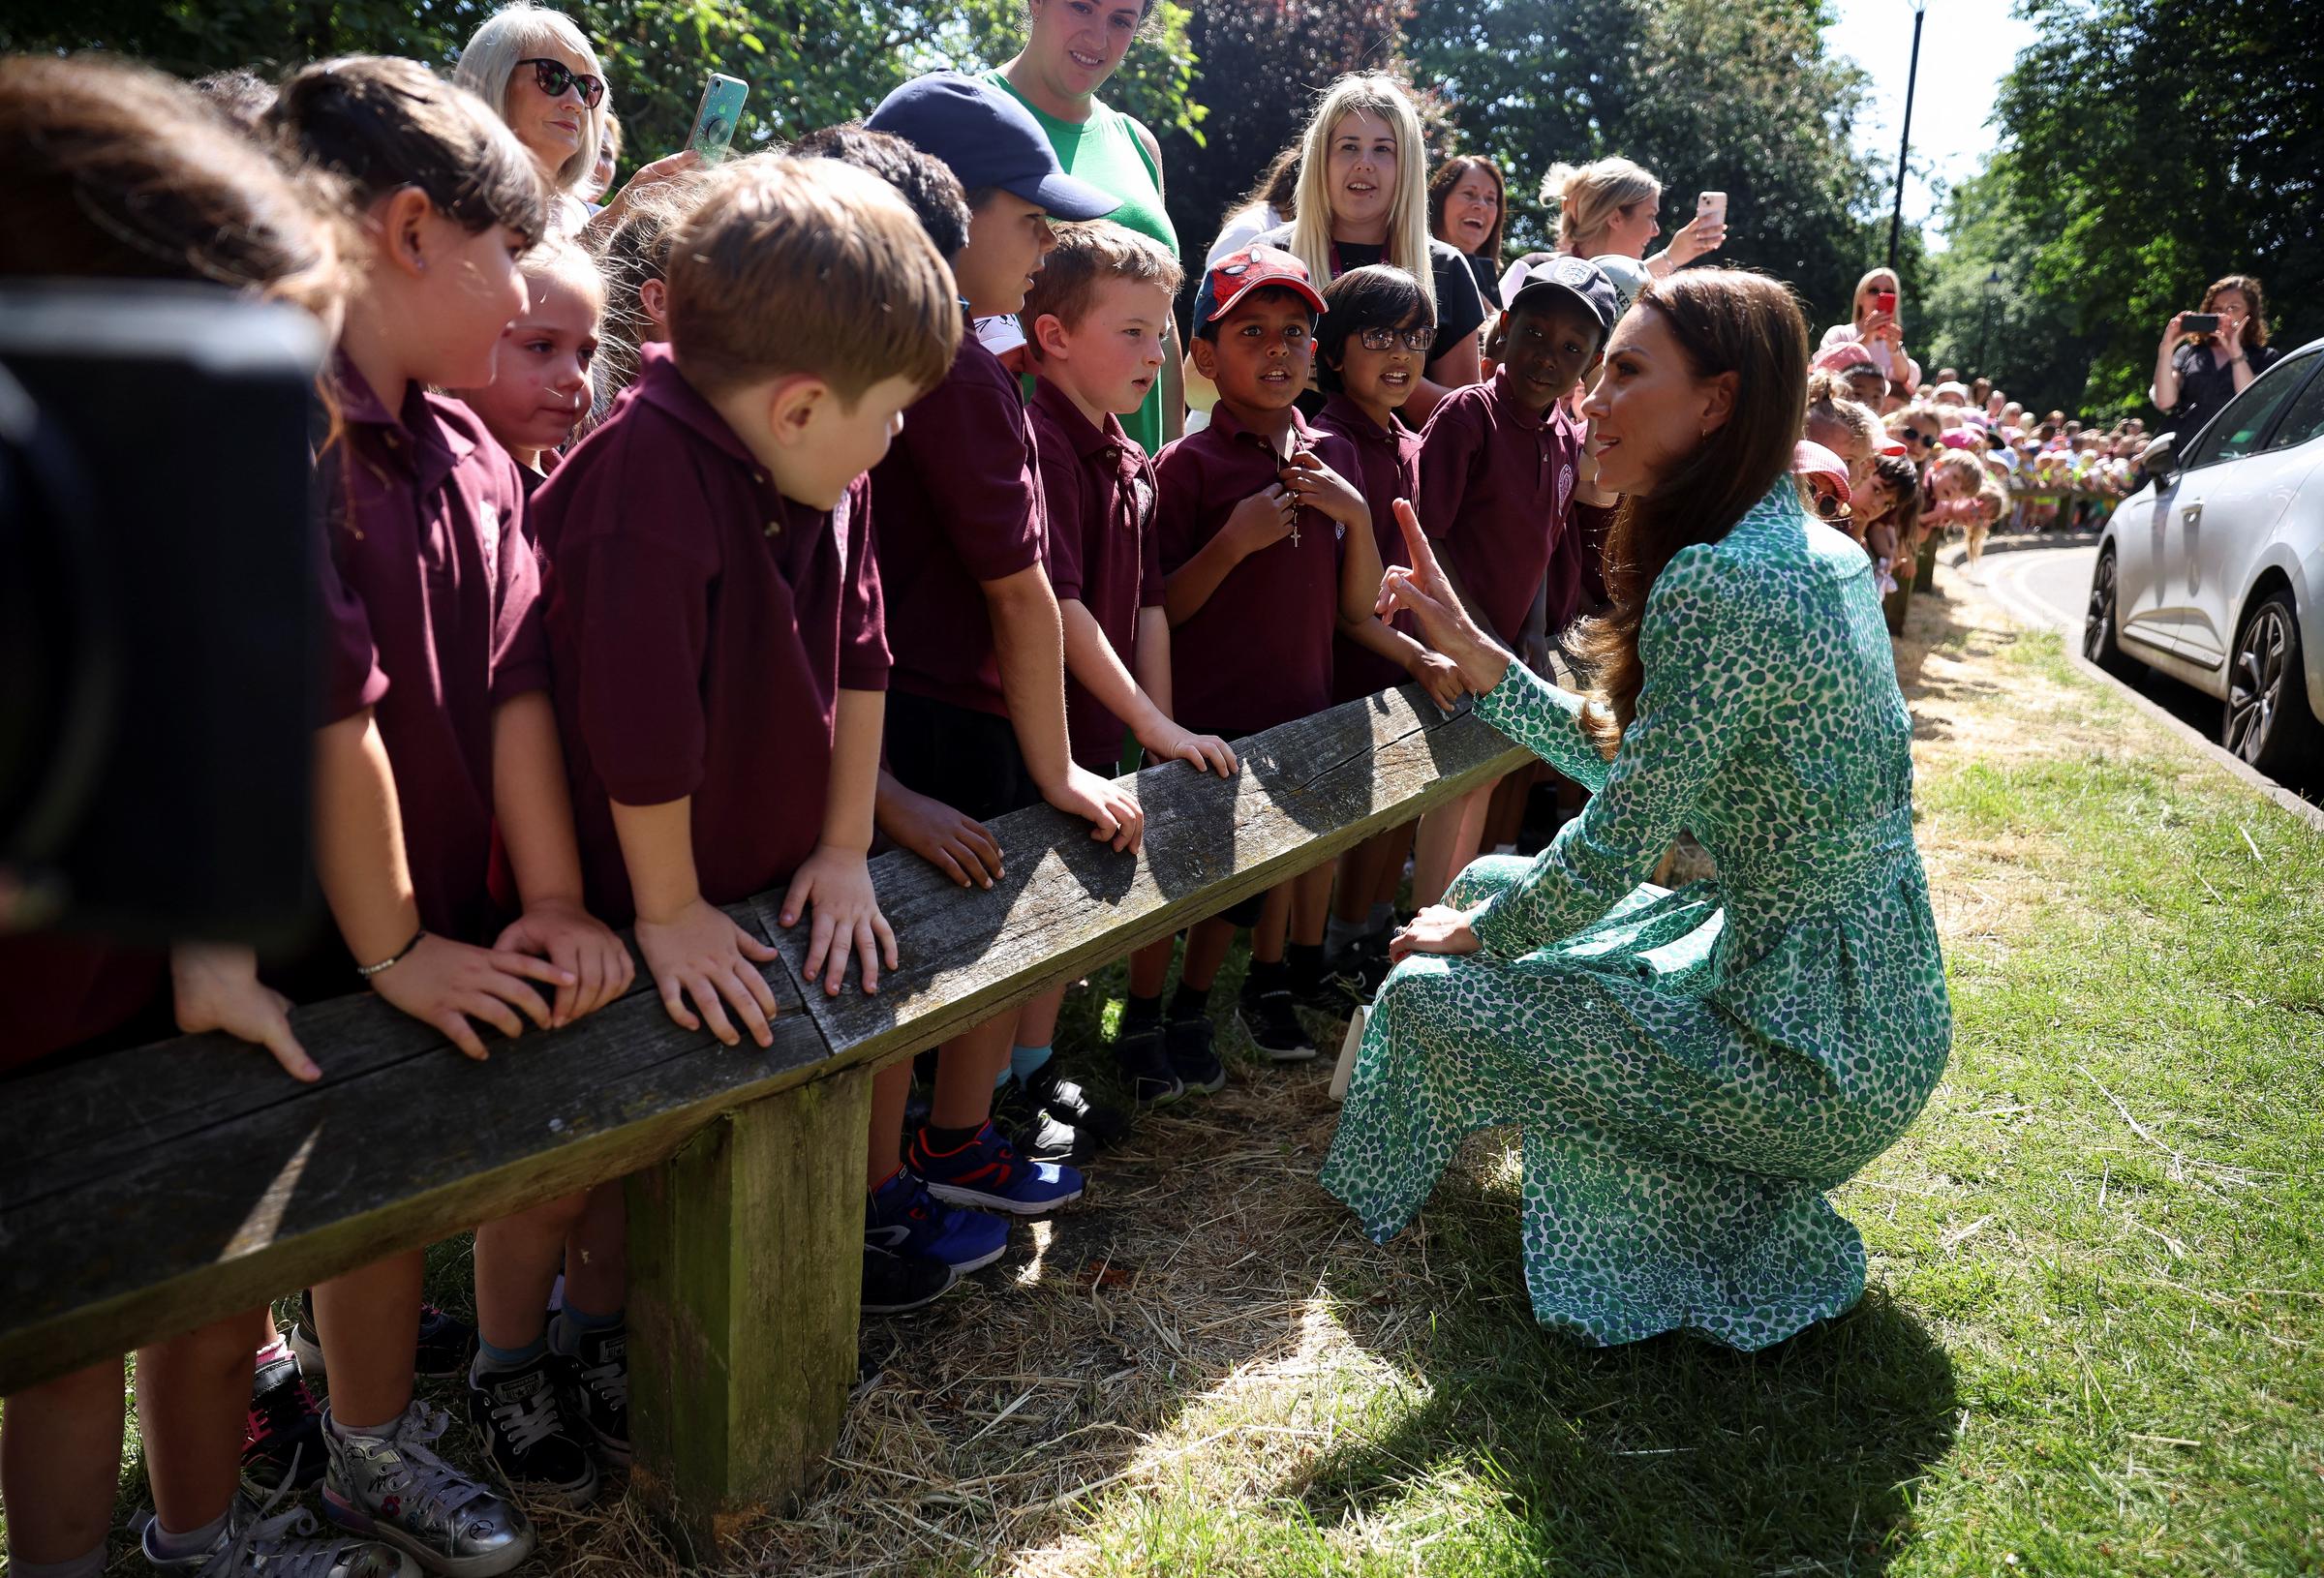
x: 146, y: 1192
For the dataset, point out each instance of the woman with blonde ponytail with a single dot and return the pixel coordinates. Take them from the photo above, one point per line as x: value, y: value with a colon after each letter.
x: 1363, y: 198
x: 1608, y: 211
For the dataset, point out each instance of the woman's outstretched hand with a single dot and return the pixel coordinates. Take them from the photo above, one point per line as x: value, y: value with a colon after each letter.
x: 1426, y: 593
x: 1436, y: 929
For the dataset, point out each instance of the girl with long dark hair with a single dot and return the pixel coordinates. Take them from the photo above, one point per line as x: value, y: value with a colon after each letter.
x: 1693, y: 1068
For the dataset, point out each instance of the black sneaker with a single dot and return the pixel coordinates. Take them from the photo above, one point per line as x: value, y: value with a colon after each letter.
x: 1272, y: 1023
x: 520, y: 1413
x: 895, y: 1284
x: 1146, y: 1068
x: 596, y: 1379
x: 1038, y: 1132
x: 1066, y: 1102
x: 1186, y: 1042
x: 281, y: 1441
x: 447, y: 1343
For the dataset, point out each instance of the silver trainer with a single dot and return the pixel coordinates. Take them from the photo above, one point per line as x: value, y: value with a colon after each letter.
x: 393, y: 1487
x: 279, y: 1545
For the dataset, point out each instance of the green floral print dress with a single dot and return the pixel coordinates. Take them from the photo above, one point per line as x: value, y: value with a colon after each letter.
x: 1691, y: 1070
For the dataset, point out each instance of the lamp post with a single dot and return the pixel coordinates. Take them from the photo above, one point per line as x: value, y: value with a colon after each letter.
x: 1993, y: 280
x: 1896, y: 221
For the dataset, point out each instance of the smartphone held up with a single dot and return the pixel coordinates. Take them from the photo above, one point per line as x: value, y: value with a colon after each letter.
x: 714, y: 122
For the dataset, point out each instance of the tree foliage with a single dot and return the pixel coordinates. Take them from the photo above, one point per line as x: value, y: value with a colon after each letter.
x: 2149, y: 147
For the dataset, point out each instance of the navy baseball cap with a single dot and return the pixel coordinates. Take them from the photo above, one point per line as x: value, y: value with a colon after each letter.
x: 989, y: 139
x: 1576, y: 277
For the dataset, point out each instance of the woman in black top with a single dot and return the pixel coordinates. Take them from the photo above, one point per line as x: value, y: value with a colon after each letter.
x: 1364, y: 199
x: 1468, y: 210
x: 2197, y: 373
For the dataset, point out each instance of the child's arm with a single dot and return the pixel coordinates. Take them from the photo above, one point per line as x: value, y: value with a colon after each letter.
x: 534, y: 811
x: 691, y: 946
x: 216, y: 987
x: 1028, y: 643
x: 1263, y: 519
x: 1092, y: 660
x: 359, y: 863
x: 836, y: 880
x: 1153, y: 658
x: 952, y: 841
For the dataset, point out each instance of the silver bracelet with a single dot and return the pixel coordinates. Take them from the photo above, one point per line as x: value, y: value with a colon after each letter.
x: 367, y: 971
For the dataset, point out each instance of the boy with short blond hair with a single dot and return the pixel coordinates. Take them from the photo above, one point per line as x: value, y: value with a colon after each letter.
x: 721, y: 656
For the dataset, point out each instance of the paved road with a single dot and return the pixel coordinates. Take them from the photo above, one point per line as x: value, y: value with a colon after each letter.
x: 2051, y: 586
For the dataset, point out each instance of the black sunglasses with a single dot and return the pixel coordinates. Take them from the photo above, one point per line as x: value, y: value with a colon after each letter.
x: 1913, y: 435
x: 552, y: 77
x: 1830, y: 507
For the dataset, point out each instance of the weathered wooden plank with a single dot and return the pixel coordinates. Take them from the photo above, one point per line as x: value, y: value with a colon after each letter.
x: 147, y: 1192
x: 744, y: 1250
x: 1070, y: 904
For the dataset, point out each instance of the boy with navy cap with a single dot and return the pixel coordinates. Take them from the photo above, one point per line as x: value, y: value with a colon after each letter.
x: 977, y: 712
x: 1497, y: 470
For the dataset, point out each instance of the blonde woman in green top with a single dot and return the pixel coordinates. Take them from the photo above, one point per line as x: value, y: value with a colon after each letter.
x: 1073, y: 46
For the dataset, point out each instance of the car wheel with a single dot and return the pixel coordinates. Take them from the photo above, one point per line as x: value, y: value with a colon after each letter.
x: 2267, y: 722
x: 2099, y: 626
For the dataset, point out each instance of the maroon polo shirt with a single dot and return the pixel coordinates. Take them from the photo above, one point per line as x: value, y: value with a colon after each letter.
x: 703, y: 626
x: 1495, y: 484
x: 1258, y: 653
x: 1389, y: 458
x: 1102, y: 548
x: 428, y: 533
x: 959, y: 500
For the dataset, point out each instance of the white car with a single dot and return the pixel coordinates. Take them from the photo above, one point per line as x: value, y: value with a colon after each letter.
x: 2212, y: 573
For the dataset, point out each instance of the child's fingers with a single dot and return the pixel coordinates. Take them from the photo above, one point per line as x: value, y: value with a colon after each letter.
x: 756, y: 951
x: 625, y: 973
x: 760, y: 992
x: 970, y: 861
x: 673, y: 1003
x: 867, y: 954
x: 504, y: 989
x: 983, y: 846
x: 797, y: 899
x: 819, y: 942
x: 887, y: 938
x: 510, y: 962
x: 713, y: 1012
x: 276, y: 1037
x: 457, y: 1030
x: 842, y: 944
x: 495, y: 1009
x: 566, y: 954
x: 741, y: 988
x: 947, y: 863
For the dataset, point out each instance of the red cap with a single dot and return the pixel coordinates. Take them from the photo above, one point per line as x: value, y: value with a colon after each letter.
x: 1812, y: 459
x: 1239, y: 273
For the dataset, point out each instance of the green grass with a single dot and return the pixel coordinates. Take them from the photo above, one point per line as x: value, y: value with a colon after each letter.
x: 2087, y: 1350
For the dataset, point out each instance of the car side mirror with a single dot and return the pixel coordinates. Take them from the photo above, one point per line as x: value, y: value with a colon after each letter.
x: 2160, y: 458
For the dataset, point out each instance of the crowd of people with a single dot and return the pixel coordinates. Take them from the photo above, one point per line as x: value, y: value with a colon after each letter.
x: 693, y: 543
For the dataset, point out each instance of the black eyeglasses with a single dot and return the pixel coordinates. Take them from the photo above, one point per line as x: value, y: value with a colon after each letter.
x: 1378, y: 339
x: 553, y: 78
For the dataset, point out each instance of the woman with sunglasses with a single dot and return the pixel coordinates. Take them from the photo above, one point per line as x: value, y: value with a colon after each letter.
x: 542, y: 73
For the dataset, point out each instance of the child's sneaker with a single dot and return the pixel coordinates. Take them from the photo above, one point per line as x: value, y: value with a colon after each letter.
x: 520, y: 1414
x: 284, y: 1545
x: 447, y: 1343
x: 394, y: 1487
x: 1188, y: 1044
x: 1039, y: 1132
x: 895, y: 1283
x: 1066, y: 1102
x: 1272, y: 1023
x: 597, y: 1375
x: 282, y: 1440
x: 988, y: 1173
x: 902, y: 1218
x: 1146, y: 1068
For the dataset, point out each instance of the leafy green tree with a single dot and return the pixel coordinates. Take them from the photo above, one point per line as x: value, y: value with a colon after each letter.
x: 1982, y: 308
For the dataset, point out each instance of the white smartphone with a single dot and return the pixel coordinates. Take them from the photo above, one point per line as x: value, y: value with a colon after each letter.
x: 1711, y: 206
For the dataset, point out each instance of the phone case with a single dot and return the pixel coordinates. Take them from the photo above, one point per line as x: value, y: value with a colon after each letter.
x: 714, y: 122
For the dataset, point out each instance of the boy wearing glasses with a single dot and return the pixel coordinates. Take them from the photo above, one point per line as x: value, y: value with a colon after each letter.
x: 1266, y: 553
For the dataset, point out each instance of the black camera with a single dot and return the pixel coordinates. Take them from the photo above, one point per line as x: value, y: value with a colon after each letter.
x: 157, y: 670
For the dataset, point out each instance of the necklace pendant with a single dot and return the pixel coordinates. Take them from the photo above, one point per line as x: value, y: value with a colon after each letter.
x: 1294, y: 537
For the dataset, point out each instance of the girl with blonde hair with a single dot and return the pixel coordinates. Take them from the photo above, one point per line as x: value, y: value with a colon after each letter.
x: 1363, y: 198
x: 1881, y: 330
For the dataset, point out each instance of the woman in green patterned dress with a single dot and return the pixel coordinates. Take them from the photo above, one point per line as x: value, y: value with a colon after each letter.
x: 1691, y: 1070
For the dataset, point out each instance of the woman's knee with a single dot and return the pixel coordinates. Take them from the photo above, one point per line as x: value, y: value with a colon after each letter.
x: 1486, y: 877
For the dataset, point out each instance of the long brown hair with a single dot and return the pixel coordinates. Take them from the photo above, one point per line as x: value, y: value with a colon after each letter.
x: 1725, y: 321
x: 1448, y: 175
x: 2255, y: 326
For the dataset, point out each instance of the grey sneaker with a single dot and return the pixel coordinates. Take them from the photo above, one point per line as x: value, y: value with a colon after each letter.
x: 282, y: 1545
x: 395, y: 1488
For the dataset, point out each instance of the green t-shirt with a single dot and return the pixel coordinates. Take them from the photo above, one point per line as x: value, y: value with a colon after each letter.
x: 1105, y: 151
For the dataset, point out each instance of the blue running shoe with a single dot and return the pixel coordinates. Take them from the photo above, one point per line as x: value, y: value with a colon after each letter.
x: 902, y: 1219
x: 987, y: 1172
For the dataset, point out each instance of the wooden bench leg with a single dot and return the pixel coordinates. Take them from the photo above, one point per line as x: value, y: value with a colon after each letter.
x: 746, y: 1256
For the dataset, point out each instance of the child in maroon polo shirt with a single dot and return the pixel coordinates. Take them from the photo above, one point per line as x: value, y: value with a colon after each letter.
x: 1268, y: 552
x: 722, y: 655
x: 977, y: 724
x: 1497, y: 473
x: 541, y: 380
x: 1095, y: 322
x: 1371, y: 349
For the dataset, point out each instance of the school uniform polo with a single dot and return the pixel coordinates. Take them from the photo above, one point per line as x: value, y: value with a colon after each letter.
x: 1258, y: 651
x: 1099, y: 490
x: 1496, y: 481
x: 959, y: 499
x: 427, y: 530
x: 1388, y: 459
x: 703, y: 626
